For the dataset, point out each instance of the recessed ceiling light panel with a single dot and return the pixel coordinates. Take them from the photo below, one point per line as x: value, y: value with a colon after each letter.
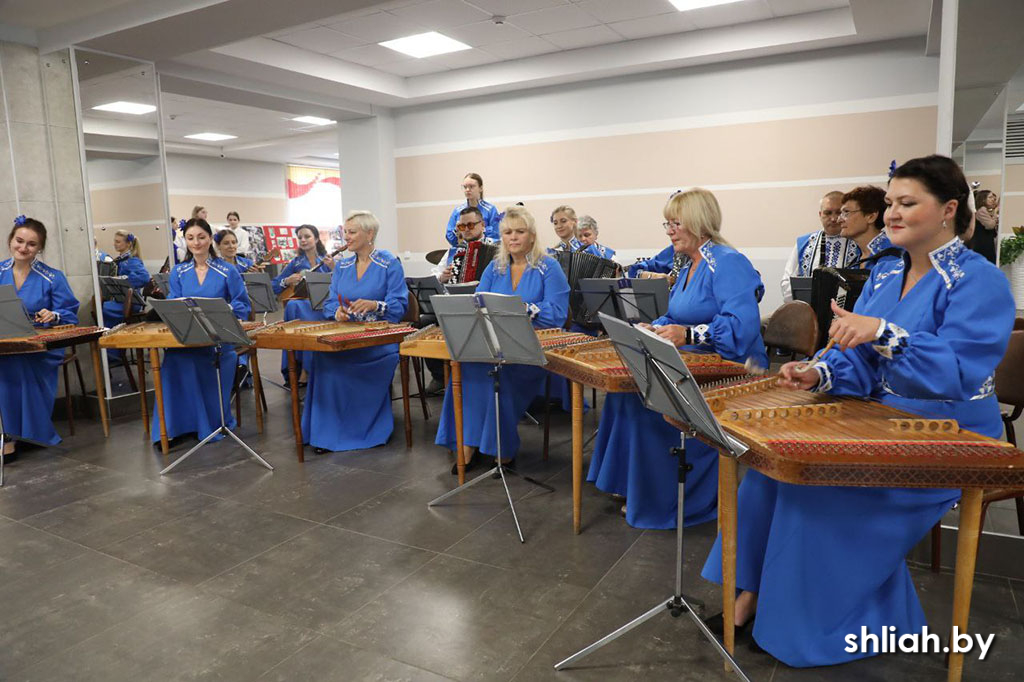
x: 425, y: 45
x: 211, y: 137
x: 314, y: 120
x: 126, y: 108
x: 687, y: 5
x: 994, y: 145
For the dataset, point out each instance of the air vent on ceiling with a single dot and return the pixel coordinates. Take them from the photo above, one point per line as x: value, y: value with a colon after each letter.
x: 1015, y: 137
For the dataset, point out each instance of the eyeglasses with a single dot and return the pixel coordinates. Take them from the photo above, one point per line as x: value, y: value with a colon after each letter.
x: 831, y: 214
x: 845, y: 213
x: 466, y: 226
x: 672, y: 225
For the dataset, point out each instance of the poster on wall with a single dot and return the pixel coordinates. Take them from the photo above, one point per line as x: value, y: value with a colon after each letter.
x: 314, y: 195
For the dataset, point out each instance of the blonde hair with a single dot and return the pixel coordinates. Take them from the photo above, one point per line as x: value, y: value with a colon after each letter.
x: 133, y: 242
x: 195, y: 211
x: 520, y: 215
x: 697, y: 211
x: 366, y: 221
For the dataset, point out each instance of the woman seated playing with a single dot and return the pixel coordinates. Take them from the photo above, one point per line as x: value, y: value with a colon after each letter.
x: 28, y: 381
x: 227, y: 247
x: 818, y: 562
x: 520, y: 269
x: 348, y: 402
x: 191, y: 402
x: 712, y: 308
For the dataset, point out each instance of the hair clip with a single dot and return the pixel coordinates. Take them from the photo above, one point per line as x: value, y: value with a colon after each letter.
x: 678, y: 191
x: 892, y: 169
x: 20, y: 220
x: 182, y: 223
x: 130, y: 238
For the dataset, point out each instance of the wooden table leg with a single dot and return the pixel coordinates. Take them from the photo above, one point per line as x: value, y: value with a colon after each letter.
x: 460, y: 456
x: 140, y: 361
x: 447, y: 372
x: 403, y: 365
x: 97, y: 366
x: 293, y: 381
x: 727, y: 521
x: 577, y: 457
x: 963, y: 579
x: 158, y: 393
x: 547, y: 415
x: 257, y: 388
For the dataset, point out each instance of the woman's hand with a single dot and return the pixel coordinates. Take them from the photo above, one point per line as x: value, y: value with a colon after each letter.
x: 45, y: 316
x: 340, y: 315
x: 799, y: 376
x: 292, y: 280
x: 362, y: 306
x: 676, y: 333
x: 328, y: 263
x: 851, y: 330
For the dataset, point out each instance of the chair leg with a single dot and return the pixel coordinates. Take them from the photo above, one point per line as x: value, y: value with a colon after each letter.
x: 67, y: 401
x: 417, y: 368
x: 936, y: 547
x: 81, y: 381
x: 238, y: 407
x: 128, y: 370
x: 593, y: 398
x: 1011, y: 434
x: 547, y: 414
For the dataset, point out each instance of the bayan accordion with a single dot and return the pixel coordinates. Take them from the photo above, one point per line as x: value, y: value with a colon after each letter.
x: 60, y: 336
x: 470, y: 261
x: 579, y: 265
x: 844, y: 285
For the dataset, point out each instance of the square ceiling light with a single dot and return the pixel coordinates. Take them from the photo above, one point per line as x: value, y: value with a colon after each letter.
x: 314, y: 120
x: 211, y: 137
x: 126, y: 108
x: 687, y: 5
x: 994, y: 145
x: 425, y: 45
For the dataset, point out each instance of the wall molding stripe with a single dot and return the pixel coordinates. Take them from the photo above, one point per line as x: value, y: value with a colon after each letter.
x: 857, y: 106
x: 665, y: 191
x: 178, y: 192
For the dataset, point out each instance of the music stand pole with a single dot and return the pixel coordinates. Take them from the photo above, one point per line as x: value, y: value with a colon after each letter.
x: 678, y: 603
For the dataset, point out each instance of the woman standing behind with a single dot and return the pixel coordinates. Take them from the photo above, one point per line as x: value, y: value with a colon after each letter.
x: 563, y: 219
x: 473, y: 189
x: 712, y: 308
x: 984, y: 239
x: 227, y: 247
x: 925, y: 336
x: 28, y: 382
x: 520, y: 269
x: 312, y: 258
x: 129, y: 264
x: 190, y: 387
x: 348, y: 402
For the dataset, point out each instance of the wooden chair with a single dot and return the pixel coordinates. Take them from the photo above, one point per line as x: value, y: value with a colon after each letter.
x: 1009, y: 380
x: 70, y: 356
x: 249, y: 352
x: 412, y: 316
x: 792, y: 328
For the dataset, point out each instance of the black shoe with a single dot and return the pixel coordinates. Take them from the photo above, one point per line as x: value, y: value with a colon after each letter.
x: 471, y: 464
x: 12, y: 457
x: 321, y: 451
x: 716, y: 624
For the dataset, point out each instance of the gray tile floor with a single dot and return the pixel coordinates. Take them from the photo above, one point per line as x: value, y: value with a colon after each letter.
x: 336, y: 570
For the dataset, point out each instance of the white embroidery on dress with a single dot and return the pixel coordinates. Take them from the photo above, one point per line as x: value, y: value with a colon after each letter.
x: 944, y: 259
x: 701, y: 335
x: 824, y: 377
x: 707, y: 254
x: 892, y: 342
x: 988, y: 388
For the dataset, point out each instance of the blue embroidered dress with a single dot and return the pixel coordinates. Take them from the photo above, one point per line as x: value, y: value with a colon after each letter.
x: 298, y: 308
x: 827, y: 560
x: 28, y: 381
x: 133, y: 268
x: 876, y: 246
x: 546, y: 292
x: 243, y: 264
x: 573, y: 244
x: 665, y: 262
x: 348, y: 400
x: 186, y: 374
x: 600, y: 251
x: 491, y: 220
x: 631, y: 454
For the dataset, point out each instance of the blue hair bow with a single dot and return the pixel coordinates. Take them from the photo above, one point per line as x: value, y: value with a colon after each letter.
x: 182, y: 223
x: 892, y: 169
x: 130, y: 238
x: 20, y: 220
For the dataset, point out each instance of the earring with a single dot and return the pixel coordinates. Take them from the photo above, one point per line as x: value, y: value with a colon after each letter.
x: 944, y: 226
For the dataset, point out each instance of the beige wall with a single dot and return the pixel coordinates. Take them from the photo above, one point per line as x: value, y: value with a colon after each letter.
x: 254, y: 210
x: 767, y: 175
x: 1012, y: 206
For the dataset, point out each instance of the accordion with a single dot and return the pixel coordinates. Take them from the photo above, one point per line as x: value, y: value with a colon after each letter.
x: 844, y: 285
x: 579, y: 265
x: 470, y: 261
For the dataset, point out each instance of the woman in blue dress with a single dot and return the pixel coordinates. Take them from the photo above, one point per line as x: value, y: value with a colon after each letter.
x: 818, y: 562
x: 227, y: 248
x: 348, y: 401
x: 588, y: 238
x: 312, y: 258
x: 189, y: 384
x: 130, y: 266
x: 28, y: 382
x: 712, y: 308
x: 520, y: 269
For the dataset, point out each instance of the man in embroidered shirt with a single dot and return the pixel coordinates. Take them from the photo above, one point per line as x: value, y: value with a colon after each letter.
x: 824, y: 248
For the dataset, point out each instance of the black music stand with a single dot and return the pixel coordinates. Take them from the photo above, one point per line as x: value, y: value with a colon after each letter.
x: 315, y: 286
x: 422, y: 288
x: 14, y: 322
x: 118, y: 290
x: 261, y: 292
x: 163, y: 281
x: 492, y: 329
x: 801, y: 289
x: 666, y: 386
x: 630, y: 300
x: 461, y: 289
x: 205, y: 322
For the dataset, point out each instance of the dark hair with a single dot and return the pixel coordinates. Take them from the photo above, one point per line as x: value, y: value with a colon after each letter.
x: 479, y: 181
x: 472, y: 209
x: 233, y: 213
x: 32, y: 224
x: 981, y: 196
x: 205, y: 227
x: 219, y: 237
x: 944, y: 180
x: 870, y: 199
x: 321, y: 250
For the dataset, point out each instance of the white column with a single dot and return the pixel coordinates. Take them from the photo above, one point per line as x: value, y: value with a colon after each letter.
x: 947, y: 77
x: 366, y: 159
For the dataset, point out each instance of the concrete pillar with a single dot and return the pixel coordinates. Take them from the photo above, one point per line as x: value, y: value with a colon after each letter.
x: 366, y: 158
